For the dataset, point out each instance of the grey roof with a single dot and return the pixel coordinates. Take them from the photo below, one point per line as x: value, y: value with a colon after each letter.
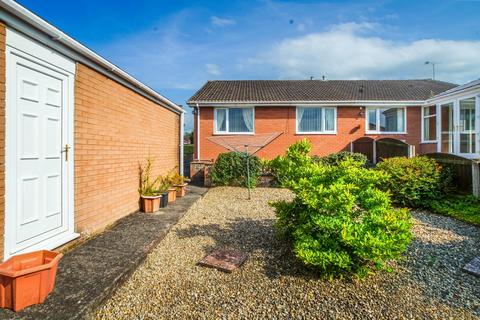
x: 318, y: 90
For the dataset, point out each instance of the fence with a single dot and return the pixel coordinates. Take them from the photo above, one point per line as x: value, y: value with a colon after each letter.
x: 377, y: 150
x: 460, y: 167
x: 364, y: 146
x: 466, y: 172
x: 389, y: 148
x: 187, y: 158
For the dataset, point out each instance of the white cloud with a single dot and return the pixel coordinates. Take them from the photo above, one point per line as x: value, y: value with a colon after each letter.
x: 213, y: 69
x: 222, y: 22
x: 352, y: 51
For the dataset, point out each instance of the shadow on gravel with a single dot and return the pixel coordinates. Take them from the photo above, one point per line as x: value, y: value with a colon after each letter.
x: 435, y: 261
x: 433, y: 268
x: 259, y: 240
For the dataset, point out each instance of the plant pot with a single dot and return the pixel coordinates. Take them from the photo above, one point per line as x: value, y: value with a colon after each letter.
x: 181, y: 189
x: 151, y: 203
x: 27, y: 279
x: 164, y: 200
x: 172, y: 195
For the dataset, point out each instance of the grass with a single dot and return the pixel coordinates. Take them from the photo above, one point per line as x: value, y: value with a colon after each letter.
x: 461, y: 207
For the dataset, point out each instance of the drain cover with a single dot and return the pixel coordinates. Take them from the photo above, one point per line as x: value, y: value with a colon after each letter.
x: 224, y: 259
x: 473, y: 267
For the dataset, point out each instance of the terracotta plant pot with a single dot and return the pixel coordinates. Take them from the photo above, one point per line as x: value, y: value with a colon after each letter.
x: 150, y: 203
x: 172, y: 195
x: 27, y: 279
x: 181, y: 190
x: 164, y: 200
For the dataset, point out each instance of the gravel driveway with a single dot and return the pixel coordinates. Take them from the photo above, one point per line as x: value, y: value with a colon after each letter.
x: 427, y: 284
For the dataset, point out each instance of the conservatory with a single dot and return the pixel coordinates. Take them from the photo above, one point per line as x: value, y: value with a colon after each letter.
x: 451, y: 120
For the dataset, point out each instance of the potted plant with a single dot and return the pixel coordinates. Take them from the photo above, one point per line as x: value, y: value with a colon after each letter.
x: 172, y: 194
x: 179, y: 182
x: 163, y: 190
x: 149, y: 188
x: 27, y: 279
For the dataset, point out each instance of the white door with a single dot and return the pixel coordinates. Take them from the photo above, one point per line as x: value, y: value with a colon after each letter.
x: 39, y: 153
x: 466, y: 133
x: 459, y: 123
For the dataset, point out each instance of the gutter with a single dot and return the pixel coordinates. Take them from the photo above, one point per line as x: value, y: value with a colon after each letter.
x: 198, y: 132
x: 182, y: 133
x: 58, y: 36
x: 320, y: 103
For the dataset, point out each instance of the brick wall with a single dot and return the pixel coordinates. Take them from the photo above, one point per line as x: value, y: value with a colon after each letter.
x: 350, y: 126
x: 115, y: 130
x: 2, y: 136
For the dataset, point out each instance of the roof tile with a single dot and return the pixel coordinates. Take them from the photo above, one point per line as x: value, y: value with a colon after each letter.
x: 318, y: 90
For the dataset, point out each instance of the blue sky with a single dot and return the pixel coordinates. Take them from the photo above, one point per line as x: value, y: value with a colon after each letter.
x: 175, y: 46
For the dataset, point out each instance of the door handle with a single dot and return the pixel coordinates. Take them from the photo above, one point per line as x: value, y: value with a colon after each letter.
x: 65, y: 149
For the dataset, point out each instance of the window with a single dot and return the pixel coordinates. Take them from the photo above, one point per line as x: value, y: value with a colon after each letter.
x: 386, y: 120
x: 468, y: 136
x: 316, y: 120
x: 446, y: 126
x: 234, y: 120
x: 429, y: 123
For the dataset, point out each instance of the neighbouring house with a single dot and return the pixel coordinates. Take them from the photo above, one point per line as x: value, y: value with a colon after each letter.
x: 380, y: 118
x: 73, y: 130
x: 269, y: 115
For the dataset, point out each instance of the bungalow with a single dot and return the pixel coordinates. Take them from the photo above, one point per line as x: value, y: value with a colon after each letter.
x: 269, y: 115
x: 73, y: 130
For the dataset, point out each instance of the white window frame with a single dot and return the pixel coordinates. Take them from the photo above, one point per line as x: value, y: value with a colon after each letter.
x: 377, y: 112
x: 423, y: 124
x: 227, y: 132
x: 334, y: 131
x: 456, y: 114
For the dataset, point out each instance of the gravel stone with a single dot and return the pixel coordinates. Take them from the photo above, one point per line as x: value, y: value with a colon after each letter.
x: 427, y: 283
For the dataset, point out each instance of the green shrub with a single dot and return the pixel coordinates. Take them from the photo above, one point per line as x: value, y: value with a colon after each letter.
x: 285, y: 168
x: 413, y: 181
x: 464, y: 208
x: 335, y: 158
x: 339, y: 221
x: 230, y: 169
x: 448, y: 177
x: 188, y: 149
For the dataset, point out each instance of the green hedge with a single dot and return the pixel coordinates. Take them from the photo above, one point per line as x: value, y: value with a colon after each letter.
x: 230, y: 169
x: 335, y: 158
x: 413, y: 181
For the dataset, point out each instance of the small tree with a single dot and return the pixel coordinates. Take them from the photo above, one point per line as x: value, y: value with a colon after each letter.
x: 339, y: 221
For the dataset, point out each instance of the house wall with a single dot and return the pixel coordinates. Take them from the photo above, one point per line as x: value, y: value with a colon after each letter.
x: 115, y: 130
x: 350, y: 126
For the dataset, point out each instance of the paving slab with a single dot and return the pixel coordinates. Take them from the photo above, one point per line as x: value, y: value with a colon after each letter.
x: 224, y: 259
x: 90, y: 273
x: 473, y: 267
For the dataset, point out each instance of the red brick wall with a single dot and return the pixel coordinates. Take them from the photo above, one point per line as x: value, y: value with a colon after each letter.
x: 115, y: 130
x: 427, y: 148
x: 350, y: 126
